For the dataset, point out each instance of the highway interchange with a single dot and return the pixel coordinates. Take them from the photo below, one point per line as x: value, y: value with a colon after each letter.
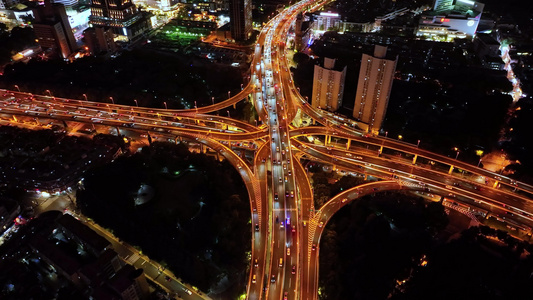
x: 286, y: 228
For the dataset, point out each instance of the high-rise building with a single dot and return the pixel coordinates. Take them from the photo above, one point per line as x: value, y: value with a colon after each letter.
x: 100, y: 40
x: 52, y: 28
x: 373, y: 88
x: 328, y: 85
x: 241, y: 19
x: 120, y: 15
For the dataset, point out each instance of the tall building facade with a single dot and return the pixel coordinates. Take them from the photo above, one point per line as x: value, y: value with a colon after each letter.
x: 120, y: 15
x: 241, y: 19
x: 373, y: 88
x: 52, y: 29
x: 328, y: 86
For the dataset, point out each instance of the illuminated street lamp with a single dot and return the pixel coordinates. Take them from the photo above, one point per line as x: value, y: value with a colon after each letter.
x: 400, y: 137
x: 112, y: 101
x: 49, y: 93
x: 213, y: 100
x: 166, y: 107
x: 229, y: 94
x: 241, y: 86
x: 229, y: 116
x: 136, y: 103
x: 85, y: 96
x: 386, y: 133
x: 17, y: 87
x: 418, y: 143
x: 456, y: 149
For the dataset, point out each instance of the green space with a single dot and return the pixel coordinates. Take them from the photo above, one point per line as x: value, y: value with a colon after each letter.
x: 192, y: 213
x: 171, y: 34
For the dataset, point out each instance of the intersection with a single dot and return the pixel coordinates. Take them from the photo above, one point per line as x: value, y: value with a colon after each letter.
x: 286, y: 227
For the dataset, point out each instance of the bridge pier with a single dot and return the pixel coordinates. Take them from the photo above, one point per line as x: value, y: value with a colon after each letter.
x: 450, y: 170
x: 414, y: 159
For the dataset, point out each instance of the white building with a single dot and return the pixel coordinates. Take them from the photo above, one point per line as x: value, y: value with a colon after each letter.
x: 451, y: 19
x: 373, y: 88
x: 328, y: 86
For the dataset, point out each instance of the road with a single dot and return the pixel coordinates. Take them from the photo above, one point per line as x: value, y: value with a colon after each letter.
x: 285, y: 224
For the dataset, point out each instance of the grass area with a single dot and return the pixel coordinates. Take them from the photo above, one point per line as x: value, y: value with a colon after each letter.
x: 170, y: 32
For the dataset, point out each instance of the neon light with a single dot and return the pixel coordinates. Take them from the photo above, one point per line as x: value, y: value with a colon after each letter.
x: 325, y: 14
x: 467, y: 2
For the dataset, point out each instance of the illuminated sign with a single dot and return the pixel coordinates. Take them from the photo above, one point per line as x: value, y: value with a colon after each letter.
x: 326, y: 14
x: 467, y: 2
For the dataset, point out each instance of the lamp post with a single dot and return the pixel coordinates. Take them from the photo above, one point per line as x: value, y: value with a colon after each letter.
x: 112, y: 100
x: 457, y: 155
x: 49, y: 93
x: 229, y: 116
x: 479, y: 162
x: 196, y: 107
x: 241, y: 86
x: 229, y: 94
x: 418, y: 143
x: 166, y: 107
x: 85, y: 97
x: 386, y: 133
x: 136, y: 103
x: 17, y: 87
x: 213, y: 100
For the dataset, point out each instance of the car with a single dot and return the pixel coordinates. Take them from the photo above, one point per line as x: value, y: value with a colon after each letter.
x: 254, y: 278
x: 320, y: 224
x: 313, y: 247
x: 286, y: 179
x: 188, y: 291
x: 281, y: 225
x: 293, y: 269
x: 256, y: 263
x: 292, y: 194
x: 168, y: 278
x: 293, y: 228
x: 281, y: 262
x: 285, y: 296
x: 344, y: 200
x: 273, y: 279
x: 275, y: 196
x: 280, y: 179
x: 290, y: 173
x: 286, y: 194
x: 288, y: 251
x: 288, y: 221
x: 256, y: 227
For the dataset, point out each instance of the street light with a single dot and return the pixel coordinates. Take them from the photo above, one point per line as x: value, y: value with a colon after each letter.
x: 166, y: 107
x: 16, y: 86
x: 85, y: 96
x: 229, y: 94
x: 49, y: 93
x: 241, y: 86
x: 213, y: 100
x: 112, y: 101
x: 136, y: 103
x: 418, y: 144
x: 457, y: 155
x: 386, y: 133
x: 229, y: 116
